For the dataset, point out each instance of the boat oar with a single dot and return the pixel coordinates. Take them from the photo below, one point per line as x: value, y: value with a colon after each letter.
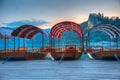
x: 115, y: 55
x: 62, y: 57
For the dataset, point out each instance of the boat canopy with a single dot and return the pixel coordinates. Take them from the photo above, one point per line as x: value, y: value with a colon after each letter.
x: 5, y: 34
x: 28, y: 31
x: 61, y: 27
x: 111, y: 30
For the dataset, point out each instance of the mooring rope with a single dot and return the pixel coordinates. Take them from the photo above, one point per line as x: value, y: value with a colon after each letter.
x: 62, y: 57
x: 7, y: 59
x: 115, y: 55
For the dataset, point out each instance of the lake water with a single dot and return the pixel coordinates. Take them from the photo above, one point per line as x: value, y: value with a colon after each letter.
x: 53, y: 70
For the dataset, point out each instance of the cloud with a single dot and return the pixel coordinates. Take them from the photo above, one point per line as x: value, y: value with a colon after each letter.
x: 19, y: 23
x: 46, y: 26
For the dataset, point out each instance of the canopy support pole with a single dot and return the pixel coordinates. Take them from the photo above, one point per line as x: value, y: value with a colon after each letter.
x: 59, y: 43
x: 117, y: 43
x: 86, y: 43
x: 50, y: 42
x: 80, y: 42
x: 32, y: 44
x: 5, y: 44
x: 18, y: 44
x: 42, y: 42
x: 14, y: 44
x: 8, y: 44
x: 24, y: 42
x: 54, y: 42
x: 27, y: 43
x: 83, y: 43
x: 110, y: 45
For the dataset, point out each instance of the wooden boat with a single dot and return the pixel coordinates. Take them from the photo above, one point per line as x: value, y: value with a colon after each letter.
x: 69, y: 53
x: 13, y: 55
x: 102, y: 54
x: 21, y: 54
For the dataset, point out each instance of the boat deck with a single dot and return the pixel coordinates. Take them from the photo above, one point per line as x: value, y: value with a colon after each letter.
x: 53, y: 70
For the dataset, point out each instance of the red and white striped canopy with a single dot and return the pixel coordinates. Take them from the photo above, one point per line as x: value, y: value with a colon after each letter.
x: 27, y: 31
x: 61, y: 27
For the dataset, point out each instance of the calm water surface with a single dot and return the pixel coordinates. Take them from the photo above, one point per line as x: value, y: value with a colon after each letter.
x: 53, y: 70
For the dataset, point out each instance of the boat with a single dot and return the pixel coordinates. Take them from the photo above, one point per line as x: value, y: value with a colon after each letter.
x: 23, y: 53
x: 99, y: 52
x: 70, y: 52
x: 102, y: 54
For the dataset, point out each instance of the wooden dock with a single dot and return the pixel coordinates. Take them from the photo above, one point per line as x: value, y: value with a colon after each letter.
x: 67, y: 70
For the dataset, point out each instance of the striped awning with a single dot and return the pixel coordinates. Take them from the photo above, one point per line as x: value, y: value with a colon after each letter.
x: 27, y: 31
x: 61, y: 27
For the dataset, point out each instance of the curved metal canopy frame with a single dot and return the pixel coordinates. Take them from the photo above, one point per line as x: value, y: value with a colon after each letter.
x: 27, y: 31
x: 111, y: 30
x: 58, y: 29
x: 105, y: 30
x: 61, y: 27
x: 114, y: 31
x: 108, y: 28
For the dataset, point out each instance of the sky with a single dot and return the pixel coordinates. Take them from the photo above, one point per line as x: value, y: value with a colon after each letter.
x: 54, y: 11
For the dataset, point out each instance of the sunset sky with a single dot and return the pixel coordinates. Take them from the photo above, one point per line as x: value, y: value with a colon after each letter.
x: 54, y: 11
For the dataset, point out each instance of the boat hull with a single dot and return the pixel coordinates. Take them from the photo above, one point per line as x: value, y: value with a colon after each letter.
x: 22, y: 56
x: 66, y: 55
x: 106, y: 55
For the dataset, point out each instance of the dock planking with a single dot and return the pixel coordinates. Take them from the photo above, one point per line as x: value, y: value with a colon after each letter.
x: 67, y: 70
